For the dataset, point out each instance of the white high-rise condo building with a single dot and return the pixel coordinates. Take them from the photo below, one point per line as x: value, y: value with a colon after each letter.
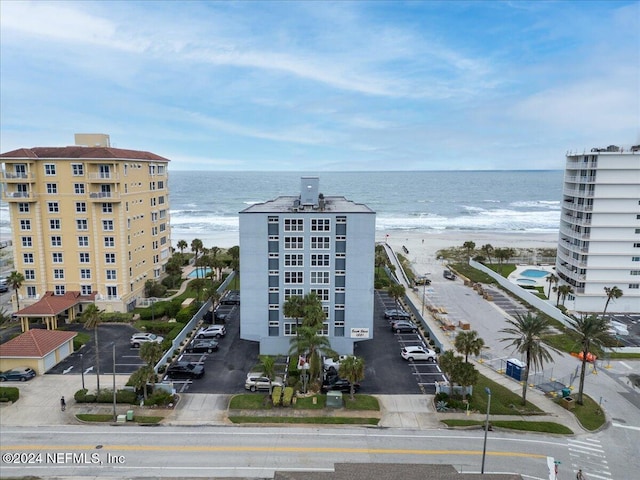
x: 295, y: 245
x: 599, y: 241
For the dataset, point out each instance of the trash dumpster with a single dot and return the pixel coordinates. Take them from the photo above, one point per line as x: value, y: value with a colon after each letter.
x: 334, y: 399
x: 569, y: 403
x: 566, y: 392
x: 515, y: 369
x: 129, y: 415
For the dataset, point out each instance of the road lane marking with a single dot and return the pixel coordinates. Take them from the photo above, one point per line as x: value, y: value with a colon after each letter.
x: 630, y: 427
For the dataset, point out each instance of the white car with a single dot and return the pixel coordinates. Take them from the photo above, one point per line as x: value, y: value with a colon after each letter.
x: 211, y: 331
x: 418, y: 353
x: 331, y: 363
x: 138, y: 339
x: 257, y: 381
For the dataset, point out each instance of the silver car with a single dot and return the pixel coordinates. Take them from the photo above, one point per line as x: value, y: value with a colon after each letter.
x: 257, y: 381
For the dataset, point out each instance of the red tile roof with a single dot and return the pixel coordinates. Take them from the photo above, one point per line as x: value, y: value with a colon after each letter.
x: 74, y: 152
x: 51, y: 304
x: 35, y: 343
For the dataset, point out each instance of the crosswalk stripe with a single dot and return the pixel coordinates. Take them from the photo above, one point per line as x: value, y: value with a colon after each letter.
x: 587, y: 453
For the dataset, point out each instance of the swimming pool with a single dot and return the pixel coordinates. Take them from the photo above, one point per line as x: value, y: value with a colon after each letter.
x: 526, y: 281
x: 531, y: 273
x: 201, y: 273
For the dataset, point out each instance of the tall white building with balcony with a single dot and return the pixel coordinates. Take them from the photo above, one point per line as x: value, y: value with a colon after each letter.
x: 295, y: 245
x: 599, y: 240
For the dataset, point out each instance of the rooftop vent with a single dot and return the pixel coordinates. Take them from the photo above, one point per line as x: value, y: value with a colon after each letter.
x: 309, y: 190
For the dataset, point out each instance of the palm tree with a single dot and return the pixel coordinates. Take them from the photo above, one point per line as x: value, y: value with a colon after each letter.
x: 526, y: 334
x: 309, y: 341
x: 564, y: 290
x: 294, y: 308
x: 551, y: 279
x: 92, y: 317
x: 181, y: 245
x: 268, y: 368
x: 487, y: 250
x: 467, y: 343
x: 151, y: 352
x: 196, y: 247
x: 234, y: 253
x: 593, y: 332
x: 140, y: 378
x: 465, y: 375
x: 612, y: 293
x: 469, y: 246
x: 396, y: 291
x: 352, y: 369
x: 15, y: 280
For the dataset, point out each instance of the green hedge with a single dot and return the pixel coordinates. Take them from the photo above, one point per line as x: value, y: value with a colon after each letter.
x: 9, y: 394
x: 288, y: 395
x: 276, y: 396
x: 160, y: 398
x: 106, y: 396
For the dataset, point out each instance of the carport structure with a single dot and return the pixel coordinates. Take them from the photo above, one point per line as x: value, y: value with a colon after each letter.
x: 50, y: 308
x: 39, y: 349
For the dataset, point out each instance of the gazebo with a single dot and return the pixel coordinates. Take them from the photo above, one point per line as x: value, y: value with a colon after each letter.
x: 52, y: 308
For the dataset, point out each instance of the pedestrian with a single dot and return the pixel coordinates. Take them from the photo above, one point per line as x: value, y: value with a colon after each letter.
x: 580, y: 475
x: 63, y: 404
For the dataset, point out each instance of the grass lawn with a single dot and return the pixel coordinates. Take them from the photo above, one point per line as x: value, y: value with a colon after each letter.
x: 503, y: 401
x: 312, y: 420
x: 91, y: 417
x: 589, y: 414
x: 249, y: 401
x: 546, y: 427
x: 361, y: 402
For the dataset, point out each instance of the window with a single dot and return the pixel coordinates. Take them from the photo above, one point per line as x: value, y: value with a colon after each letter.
x: 293, y: 225
x: 320, y: 260
x: 634, y: 272
x: 107, y: 208
x: 290, y: 329
x: 81, y: 224
x: 112, y: 292
x: 78, y: 188
x: 293, y: 260
x: 58, y: 273
x: 293, y: 243
x: 319, y: 278
x: 109, y: 258
x: 83, y: 241
x: 56, y: 241
x: 81, y: 207
x: 53, y: 207
x: 293, y: 277
x: 635, y: 259
x: 111, y: 274
x: 634, y: 286
x: 25, y: 224
x: 24, y: 208
x: 84, y: 257
x: 57, y: 257
x: 322, y: 293
x: 85, y: 273
x: 160, y: 185
x: 293, y: 292
x: 109, y: 242
x: 636, y: 245
x: 31, y: 291
x: 77, y: 169
x: 27, y: 257
x: 54, y: 224
x: 320, y: 225
x: 85, y: 289
x: 321, y: 242
x: 52, y: 188
x: 107, y: 225
x: 59, y: 290
x: 49, y: 169
x: 29, y: 274
x: 27, y: 242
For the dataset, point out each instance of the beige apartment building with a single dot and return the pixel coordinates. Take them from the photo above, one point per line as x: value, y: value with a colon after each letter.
x: 90, y: 223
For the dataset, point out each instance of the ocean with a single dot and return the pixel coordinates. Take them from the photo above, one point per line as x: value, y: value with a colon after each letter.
x: 205, y: 204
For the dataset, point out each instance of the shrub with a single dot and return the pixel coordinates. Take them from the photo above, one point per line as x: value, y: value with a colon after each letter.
x: 119, y: 317
x: 276, y: 396
x: 126, y: 396
x: 288, y: 395
x: 81, y: 396
x: 9, y: 394
x: 90, y: 398
x: 160, y: 398
x: 106, y: 396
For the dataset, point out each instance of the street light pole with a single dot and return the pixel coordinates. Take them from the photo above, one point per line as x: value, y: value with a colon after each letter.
x: 82, y: 369
x: 115, y: 416
x: 486, y: 428
x: 424, y: 295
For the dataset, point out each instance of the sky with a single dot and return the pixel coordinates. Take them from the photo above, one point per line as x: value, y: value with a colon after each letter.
x: 324, y: 86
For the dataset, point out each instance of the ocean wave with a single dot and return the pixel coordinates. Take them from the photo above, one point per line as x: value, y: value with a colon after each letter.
x: 536, y: 204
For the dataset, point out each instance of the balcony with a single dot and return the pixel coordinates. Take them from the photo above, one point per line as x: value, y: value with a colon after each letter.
x: 19, y: 196
x: 569, y: 272
x: 578, y: 207
x: 104, y: 196
x: 573, y: 220
x: 13, y: 177
x: 576, y: 192
x: 577, y: 162
x: 580, y: 179
x: 103, y: 177
x: 573, y: 248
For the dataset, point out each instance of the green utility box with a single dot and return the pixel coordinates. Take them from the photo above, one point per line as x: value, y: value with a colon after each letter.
x: 334, y: 399
x: 129, y: 415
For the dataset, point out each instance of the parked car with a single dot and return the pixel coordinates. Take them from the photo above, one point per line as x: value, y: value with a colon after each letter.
x: 339, y: 384
x: 423, y: 280
x: 396, y: 314
x: 418, y: 353
x: 4, y: 287
x: 212, y: 331
x: 138, y: 339
x: 21, y: 374
x: 329, y: 362
x: 449, y: 275
x: 403, y: 326
x: 185, y: 370
x: 202, y: 346
x: 257, y: 381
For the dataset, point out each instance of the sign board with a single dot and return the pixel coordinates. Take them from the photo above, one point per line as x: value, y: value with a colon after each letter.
x: 360, y: 333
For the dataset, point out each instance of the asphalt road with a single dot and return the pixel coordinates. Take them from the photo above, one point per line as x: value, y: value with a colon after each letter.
x: 256, y: 453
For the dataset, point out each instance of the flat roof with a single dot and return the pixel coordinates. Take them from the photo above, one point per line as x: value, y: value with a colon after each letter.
x: 288, y: 204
